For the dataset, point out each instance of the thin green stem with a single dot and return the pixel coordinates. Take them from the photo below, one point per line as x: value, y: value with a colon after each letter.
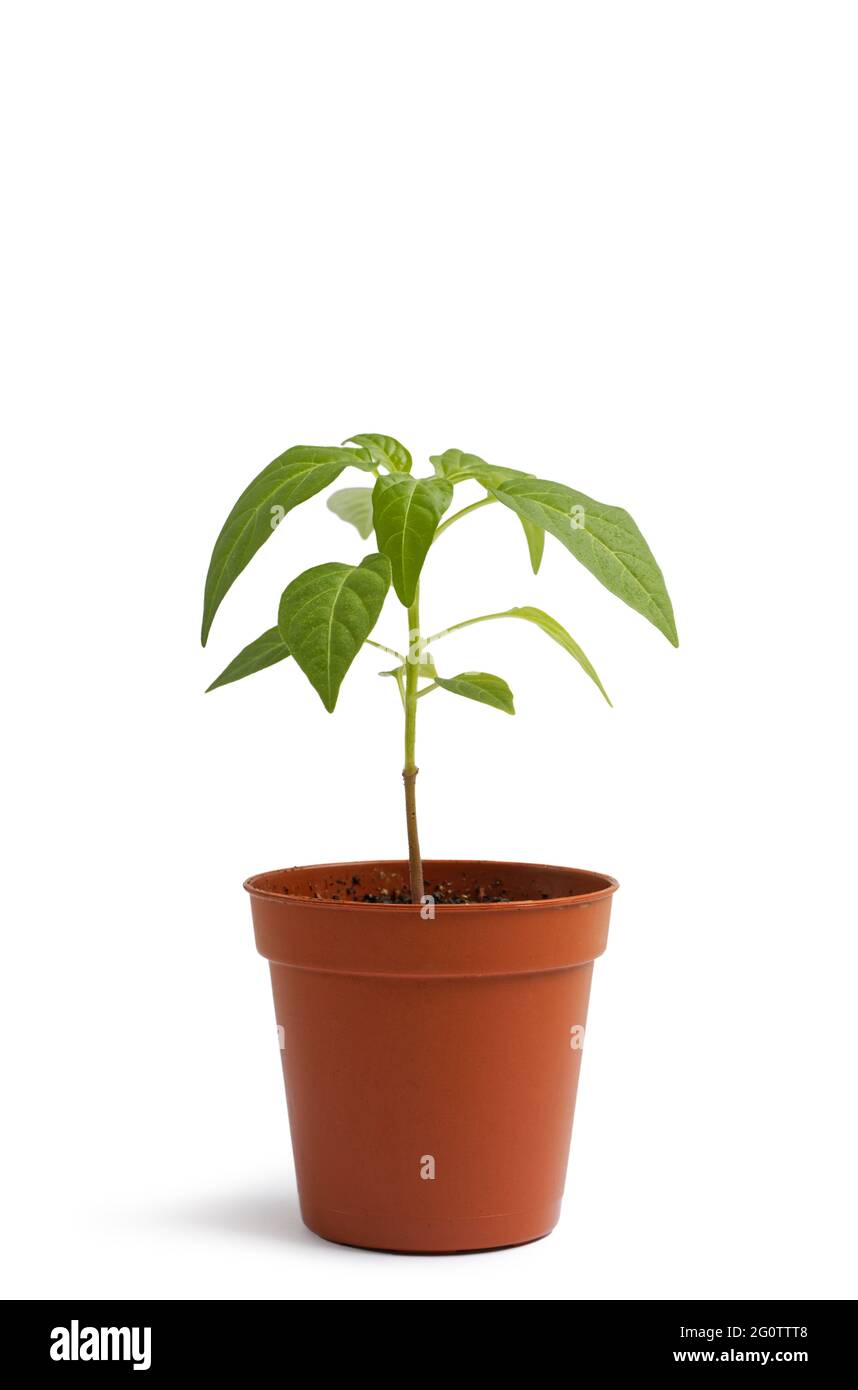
x: 457, y: 516
x: 411, y: 696
x: 469, y: 622
x: 427, y: 689
x: 409, y: 771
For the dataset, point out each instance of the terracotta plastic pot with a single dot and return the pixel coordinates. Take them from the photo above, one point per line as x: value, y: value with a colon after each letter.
x: 431, y: 1064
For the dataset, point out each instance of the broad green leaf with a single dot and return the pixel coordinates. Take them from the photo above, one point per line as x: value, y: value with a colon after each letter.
x: 293, y: 477
x: 353, y: 504
x: 326, y: 615
x: 479, y: 685
x: 605, y: 539
x: 406, y: 513
x: 559, y: 634
x: 384, y: 449
x: 264, y: 651
x: 535, y: 537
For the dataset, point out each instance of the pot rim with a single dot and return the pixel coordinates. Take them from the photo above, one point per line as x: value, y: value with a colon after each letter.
x: 608, y: 886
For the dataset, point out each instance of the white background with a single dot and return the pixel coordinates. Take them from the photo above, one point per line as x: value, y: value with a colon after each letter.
x: 613, y: 244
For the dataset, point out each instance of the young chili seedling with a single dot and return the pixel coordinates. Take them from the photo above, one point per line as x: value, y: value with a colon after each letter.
x: 327, y: 614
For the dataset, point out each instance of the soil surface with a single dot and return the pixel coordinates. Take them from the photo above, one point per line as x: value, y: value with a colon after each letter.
x: 353, y: 890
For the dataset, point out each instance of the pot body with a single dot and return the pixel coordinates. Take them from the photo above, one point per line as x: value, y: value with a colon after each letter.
x: 431, y: 1059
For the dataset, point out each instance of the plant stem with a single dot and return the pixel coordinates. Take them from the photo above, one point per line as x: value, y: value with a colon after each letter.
x: 474, y: 506
x: 409, y: 771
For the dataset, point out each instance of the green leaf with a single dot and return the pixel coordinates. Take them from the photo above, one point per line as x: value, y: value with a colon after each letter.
x: 555, y: 630
x: 479, y: 685
x: 326, y: 615
x: 535, y: 537
x: 384, y: 449
x: 353, y: 504
x: 549, y: 625
x: 406, y: 512
x: 451, y: 464
x: 264, y: 651
x: 605, y: 539
x: 293, y: 477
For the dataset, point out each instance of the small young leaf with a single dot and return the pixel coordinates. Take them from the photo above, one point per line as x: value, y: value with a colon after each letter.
x: 406, y: 513
x: 384, y: 449
x: 293, y: 477
x: 264, y: 651
x: 353, y: 504
x: 451, y: 464
x: 326, y: 615
x: 605, y: 539
x: 479, y: 685
x: 535, y: 537
x: 559, y: 634
x: 548, y: 624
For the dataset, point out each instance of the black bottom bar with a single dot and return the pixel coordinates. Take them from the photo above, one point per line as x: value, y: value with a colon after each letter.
x: 166, y: 1337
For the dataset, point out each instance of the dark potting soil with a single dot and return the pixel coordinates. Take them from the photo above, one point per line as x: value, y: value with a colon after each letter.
x: 353, y: 891
x: 442, y: 893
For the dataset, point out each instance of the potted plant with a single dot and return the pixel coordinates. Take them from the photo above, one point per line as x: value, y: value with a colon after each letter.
x: 431, y: 1013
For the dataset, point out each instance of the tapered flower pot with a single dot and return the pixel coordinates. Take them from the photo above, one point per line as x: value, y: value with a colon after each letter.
x: 431, y: 1062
